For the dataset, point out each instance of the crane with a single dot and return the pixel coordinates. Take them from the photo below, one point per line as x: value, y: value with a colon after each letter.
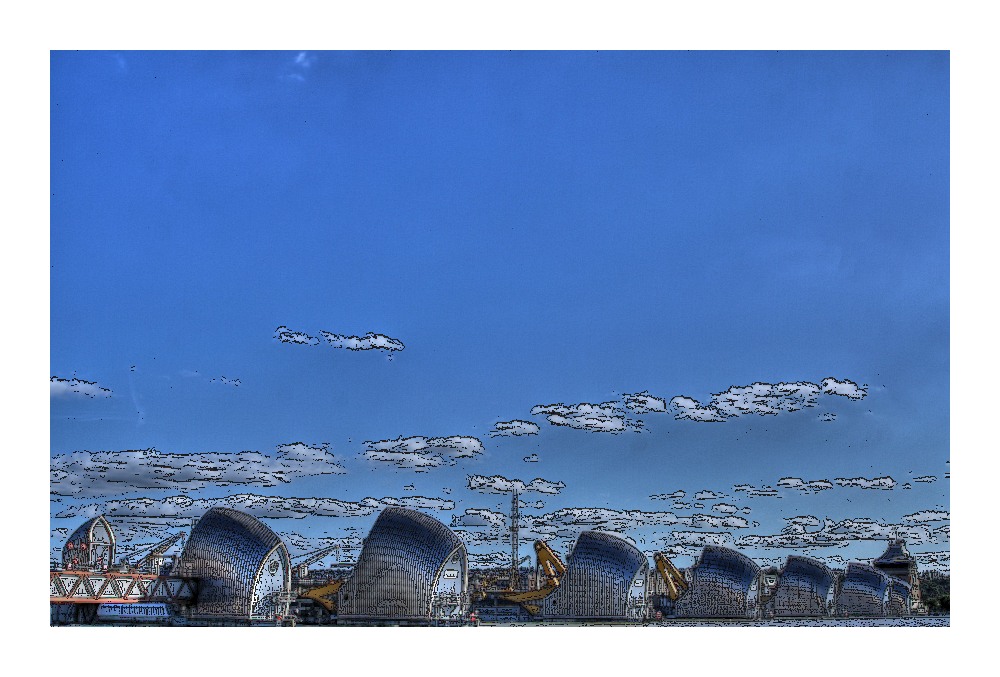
x: 154, y: 551
x: 553, y: 569
x: 313, y: 557
x: 676, y: 585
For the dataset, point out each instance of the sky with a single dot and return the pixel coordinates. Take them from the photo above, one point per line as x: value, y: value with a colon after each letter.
x: 689, y: 297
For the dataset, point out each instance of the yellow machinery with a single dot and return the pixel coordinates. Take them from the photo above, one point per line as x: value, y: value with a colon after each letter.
x: 325, y: 595
x: 551, y: 567
x: 676, y: 585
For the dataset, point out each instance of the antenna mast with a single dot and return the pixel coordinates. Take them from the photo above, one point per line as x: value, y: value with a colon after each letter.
x: 515, y: 517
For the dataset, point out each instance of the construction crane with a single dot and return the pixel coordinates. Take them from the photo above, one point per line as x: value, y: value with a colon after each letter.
x: 676, y: 585
x: 154, y: 551
x: 552, y: 567
x: 515, y: 517
x: 314, y: 556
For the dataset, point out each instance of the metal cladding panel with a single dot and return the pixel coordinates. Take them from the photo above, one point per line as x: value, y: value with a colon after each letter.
x: 599, y: 579
x: 863, y: 592
x: 720, y: 585
x: 803, y: 588
x: 238, y: 562
x: 396, y: 574
x: 98, y: 539
x: 900, y: 595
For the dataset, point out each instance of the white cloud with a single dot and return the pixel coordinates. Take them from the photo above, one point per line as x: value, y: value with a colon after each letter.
x: 884, y: 483
x: 606, y: 417
x: 420, y: 453
x: 832, y: 386
x: 61, y: 387
x: 265, y: 507
x: 762, y: 399
x: 533, y: 458
x: 644, y: 403
x: 480, y: 517
x: 706, y: 495
x: 802, y: 533
x: 939, y: 561
x: 702, y: 538
x: 757, y: 492
x: 926, y: 478
x: 665, y: 497
x: 369, y: 341
x: 501, y: 485
x: 101, y: 473
x: 812, y: 486
x: 725, y: 508
x: 928, y: 516
x: 286, y: 335
x: 304, y: 60
x: 514, y: 428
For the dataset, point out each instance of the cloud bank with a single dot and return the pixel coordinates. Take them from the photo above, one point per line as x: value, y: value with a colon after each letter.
x: 762, y: 399
x: 74, y: 387
x: 422, y: 453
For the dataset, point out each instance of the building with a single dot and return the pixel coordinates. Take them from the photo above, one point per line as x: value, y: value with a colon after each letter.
x: 605, y: 579
x: 864, y: 591
x: 898, y: 563
x: 90, y: 547
x: 723, y: 584
x: 242, y: 567
x: 805, y: 587
x: 411, y: 568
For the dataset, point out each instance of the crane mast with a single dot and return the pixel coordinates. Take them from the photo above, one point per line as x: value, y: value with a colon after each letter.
x: 515, y: 517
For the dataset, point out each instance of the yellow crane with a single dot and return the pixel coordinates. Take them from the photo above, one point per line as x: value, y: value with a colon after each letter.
x: 552, y: 567
x: 676, y: 585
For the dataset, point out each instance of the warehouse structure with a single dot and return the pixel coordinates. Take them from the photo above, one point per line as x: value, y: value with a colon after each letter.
x: 864, y: 591
x: 91, y: 546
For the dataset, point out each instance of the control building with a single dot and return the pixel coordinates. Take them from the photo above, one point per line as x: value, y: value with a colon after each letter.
x: 805, y: 587
x: 411, y: 568
x: 242, y: 567
x: 90, y: 547
x: 864, y: 591
x: 898, y: 563
x: 605, y: 579
x: 723, y: 583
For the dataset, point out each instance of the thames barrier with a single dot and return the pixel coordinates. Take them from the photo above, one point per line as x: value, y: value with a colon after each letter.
x: 414, y: 570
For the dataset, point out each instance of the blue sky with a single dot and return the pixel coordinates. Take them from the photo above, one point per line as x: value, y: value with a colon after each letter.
x: 538, y: 231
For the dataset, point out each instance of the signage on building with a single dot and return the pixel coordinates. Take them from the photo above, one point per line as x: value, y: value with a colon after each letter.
x: 148, y: 610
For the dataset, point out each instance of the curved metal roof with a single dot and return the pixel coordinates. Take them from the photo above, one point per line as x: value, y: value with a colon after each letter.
x: 599, y: 579
x: 239, y: 563
x: 864, y: 591
x: 399, y: 567
x: 84, y: 535
x: 804, y: 586
x: 721, y: 583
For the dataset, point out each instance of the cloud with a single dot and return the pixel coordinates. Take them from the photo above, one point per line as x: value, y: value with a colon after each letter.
x: 607, y: 417
x: 706, y: 495
x: 884, y: 483
x: 802, y: 533
x: 269, y: 507
x: 74, y: 387
x: 812, y: 486
x: 702, y: 538
x: 665, y: 497
x: 286, y: 335
x: 761, y: 399
x: 421, y: 453
x: 480, y: 517
x: 757, y: 492
x: 369, y: 341
x: 926, y: 478
x: 86, y: 473
x: 533, y: 458
x: 501, y: 485
x: 828, y: 417
x: 725, y: 508
x: 928, y: 516
x: 514, y: 428
x: 832, y: 386
x: 644, y: 403
x: 304, y: 60
x: 568, y: 522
